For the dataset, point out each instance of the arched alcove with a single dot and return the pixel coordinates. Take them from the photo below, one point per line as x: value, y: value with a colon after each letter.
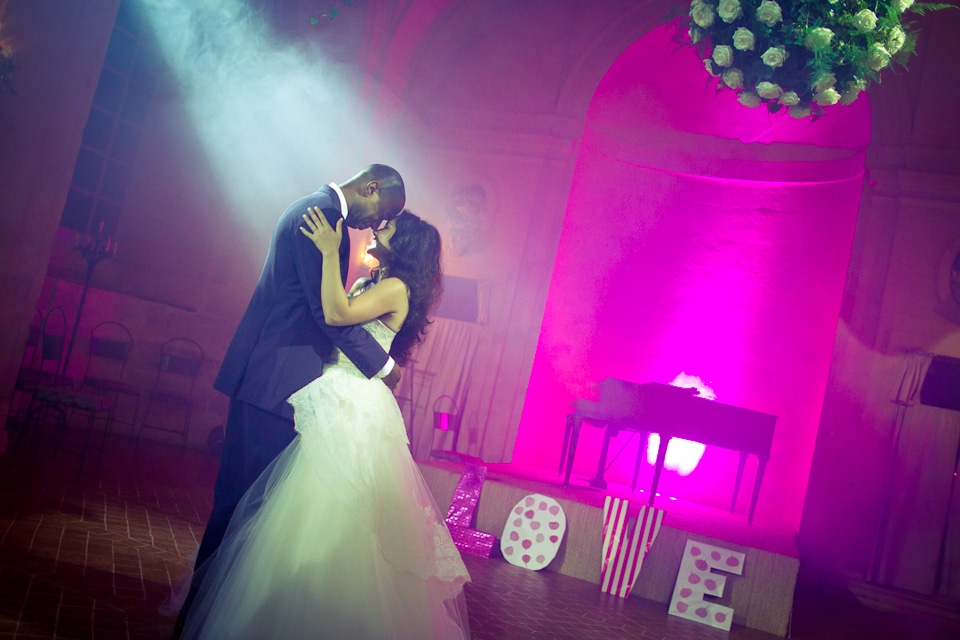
x: 700, y: 237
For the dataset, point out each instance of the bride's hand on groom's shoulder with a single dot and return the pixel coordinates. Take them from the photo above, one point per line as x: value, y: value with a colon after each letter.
x: 326, y: 238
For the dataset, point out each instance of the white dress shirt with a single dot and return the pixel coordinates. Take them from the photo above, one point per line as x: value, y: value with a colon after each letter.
x: 388, y: 367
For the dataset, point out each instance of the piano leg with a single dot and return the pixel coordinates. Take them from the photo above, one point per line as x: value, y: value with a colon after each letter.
x: 598, y: 482
x: 566, y: 443
x: 736, y: 483
x: 573, y: 424
x: 761, y: 467
x: 661, y: 458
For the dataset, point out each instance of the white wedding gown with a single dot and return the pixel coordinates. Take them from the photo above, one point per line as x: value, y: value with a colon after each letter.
x: 340, y: 537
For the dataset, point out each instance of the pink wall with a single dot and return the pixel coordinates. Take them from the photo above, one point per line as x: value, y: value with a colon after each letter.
x: 701, y: 238
x: 470, y: 108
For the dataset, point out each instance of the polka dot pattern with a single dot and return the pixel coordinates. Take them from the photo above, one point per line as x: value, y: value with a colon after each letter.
x: 697, y: 579
x: 533, y: 532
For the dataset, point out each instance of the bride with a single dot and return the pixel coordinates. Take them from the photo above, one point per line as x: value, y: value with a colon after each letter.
x: 340, y: 536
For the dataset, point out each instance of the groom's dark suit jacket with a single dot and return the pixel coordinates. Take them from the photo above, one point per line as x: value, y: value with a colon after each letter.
x: 282, y: 341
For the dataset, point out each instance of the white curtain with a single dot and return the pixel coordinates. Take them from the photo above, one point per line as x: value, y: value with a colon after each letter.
x: 921, y: 509
x: 950, y: 582
x: 442, y: 368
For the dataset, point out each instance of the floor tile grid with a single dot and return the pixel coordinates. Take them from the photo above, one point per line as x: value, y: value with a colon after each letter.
x: 96, y: 558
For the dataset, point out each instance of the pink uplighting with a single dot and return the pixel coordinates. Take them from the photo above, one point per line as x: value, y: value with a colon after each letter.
x: 699, y: 236
x: 683, y: 456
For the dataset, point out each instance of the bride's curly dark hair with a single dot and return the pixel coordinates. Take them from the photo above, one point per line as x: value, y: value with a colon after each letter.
x: 414, y: 258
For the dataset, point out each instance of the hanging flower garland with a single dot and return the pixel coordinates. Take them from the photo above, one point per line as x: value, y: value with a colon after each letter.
x: 800, y: 54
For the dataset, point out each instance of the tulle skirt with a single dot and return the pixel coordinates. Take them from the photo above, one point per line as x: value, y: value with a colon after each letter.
x: 340, y: 537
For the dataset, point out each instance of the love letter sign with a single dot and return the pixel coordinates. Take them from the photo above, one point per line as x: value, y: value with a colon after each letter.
x: 462, y: 506
x: 696, y: 580
x: 534, y: 530
x: 623, y: 552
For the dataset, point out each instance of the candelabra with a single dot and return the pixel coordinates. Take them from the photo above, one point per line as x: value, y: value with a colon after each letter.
x: 94, y: 248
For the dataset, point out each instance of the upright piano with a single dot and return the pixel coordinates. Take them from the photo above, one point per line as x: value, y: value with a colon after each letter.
x: 671, y: 412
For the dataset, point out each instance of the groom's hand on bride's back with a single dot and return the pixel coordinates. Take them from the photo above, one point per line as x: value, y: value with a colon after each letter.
x: 392, y: 379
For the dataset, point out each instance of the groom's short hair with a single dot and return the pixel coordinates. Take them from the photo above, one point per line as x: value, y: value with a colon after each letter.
x: 393, y: 195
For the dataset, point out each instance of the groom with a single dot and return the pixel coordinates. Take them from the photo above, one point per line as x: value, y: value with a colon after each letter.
x: 283, y: 342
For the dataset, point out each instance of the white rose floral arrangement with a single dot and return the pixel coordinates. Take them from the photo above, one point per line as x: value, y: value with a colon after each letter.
x: 802, y: 55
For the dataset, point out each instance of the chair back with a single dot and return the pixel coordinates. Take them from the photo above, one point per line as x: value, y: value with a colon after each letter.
x: 445, y: 414
x: 180, y: 361
x: 53, y: 336
x: 446, y: 418
x: 30, y: 350
x: 110, y: 344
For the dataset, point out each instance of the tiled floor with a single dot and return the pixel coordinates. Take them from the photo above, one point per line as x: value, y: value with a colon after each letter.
x: 95, y: 558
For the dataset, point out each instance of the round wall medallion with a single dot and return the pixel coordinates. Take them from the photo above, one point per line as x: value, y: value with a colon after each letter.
x: 948, y: 282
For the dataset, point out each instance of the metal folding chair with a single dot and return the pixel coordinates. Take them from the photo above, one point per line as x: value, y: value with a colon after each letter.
x: 110, y: 345
x: 172, y: 394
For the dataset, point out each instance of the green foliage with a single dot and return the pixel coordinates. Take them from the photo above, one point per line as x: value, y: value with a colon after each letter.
x: 801, y: 54
x: 921, y: 8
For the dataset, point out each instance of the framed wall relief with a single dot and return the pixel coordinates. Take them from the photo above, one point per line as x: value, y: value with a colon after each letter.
x: 948, y: 282
x: 469, y: 220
